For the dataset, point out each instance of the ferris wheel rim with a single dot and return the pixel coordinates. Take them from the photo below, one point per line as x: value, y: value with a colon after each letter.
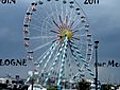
x: 87, y: 25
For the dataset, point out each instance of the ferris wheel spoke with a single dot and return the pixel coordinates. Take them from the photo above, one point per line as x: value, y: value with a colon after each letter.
x: 54, y: 31
x: 60, y: 19
x: 62, y: 63
x: 51, y: 13
x: 44, y: 55
x: 76, y: 22
x: 65, y: 8
x: 66, y: 13
x: 83, y: 35
x: 55, y: 61
x: 69, y: 65
x: 78, y: 70
x: 78, y: 28
x: 46, y: 8
x: 58, y: 11
x: 66, y: 20
x: 71, y: 11
x: 37, y: 16
x: 52, y: 67
x: 39, y: 60
x: 42, y: 46
x: 75, y: 49
x: 82, y: 43
x: 76, y: 31
x: 82, y: 69
x: 62, y: 12
x: 78, y: 37
x: 51, y: 8
x: 39, y: 37
x: 86, y: 68
x: 92, y: 73
x: 56, y: 24
x: 35, y: 21
x: 35, y: 27
x: 81, y: 73
x: 75, y: 57
x: 47, y: 26
x: 49, y: 57
x: 49, y: 23
x: 74, y: 19
x: 54, y: 8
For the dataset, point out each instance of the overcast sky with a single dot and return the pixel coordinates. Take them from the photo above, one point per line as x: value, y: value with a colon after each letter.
x: 104, y: 24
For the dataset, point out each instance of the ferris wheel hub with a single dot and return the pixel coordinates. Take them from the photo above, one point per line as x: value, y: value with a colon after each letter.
x: 66, y: 32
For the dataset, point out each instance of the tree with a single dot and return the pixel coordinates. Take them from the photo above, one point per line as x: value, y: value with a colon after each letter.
x: 106, y: 87
x: 83, y: 85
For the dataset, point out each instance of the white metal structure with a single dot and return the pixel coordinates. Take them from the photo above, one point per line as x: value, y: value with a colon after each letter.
x: 57, y: 39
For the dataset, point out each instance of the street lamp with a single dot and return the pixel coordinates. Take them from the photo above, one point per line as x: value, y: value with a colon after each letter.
x: 32, y: 80
x: 96, y: 64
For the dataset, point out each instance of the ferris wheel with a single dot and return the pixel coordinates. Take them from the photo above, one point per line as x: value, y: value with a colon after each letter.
x: 57, y: 40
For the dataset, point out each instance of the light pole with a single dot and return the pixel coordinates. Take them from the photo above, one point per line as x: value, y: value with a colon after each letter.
x: 32, y: 80
x: 96, y: 64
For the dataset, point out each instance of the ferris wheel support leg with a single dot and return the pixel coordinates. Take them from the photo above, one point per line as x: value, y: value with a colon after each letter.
x: 54, y: 63
x: 86, y: 63
x: 78, y: 54
x: 62, y: 65
x: 51, y: 53
x: 74, y: 50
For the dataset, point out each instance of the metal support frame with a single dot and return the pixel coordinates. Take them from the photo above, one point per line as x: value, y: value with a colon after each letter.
x: 96, y: 64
